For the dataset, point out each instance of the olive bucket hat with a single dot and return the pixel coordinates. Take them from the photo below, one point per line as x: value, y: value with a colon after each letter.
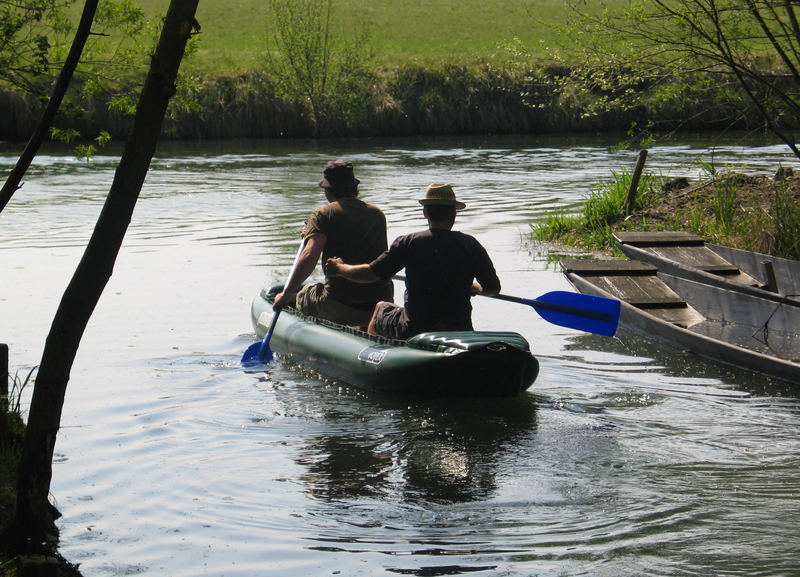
x: 338, y: 174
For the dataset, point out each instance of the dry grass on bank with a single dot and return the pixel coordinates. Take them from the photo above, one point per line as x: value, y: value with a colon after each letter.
x: 755, y: 213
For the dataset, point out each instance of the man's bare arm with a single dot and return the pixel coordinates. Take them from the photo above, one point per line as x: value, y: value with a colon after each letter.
x: 360, y: 273
x: 477, y: 289
x: 307, y: 261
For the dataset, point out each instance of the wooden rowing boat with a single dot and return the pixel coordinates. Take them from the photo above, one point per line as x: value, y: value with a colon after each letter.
x: 734, y: 327
x: 689, y: 256
x: 441, y: 364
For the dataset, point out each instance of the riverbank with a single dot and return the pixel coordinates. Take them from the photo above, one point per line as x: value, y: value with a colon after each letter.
x: 408, y: 100
x: 50, y: 563
x: 751, y: 212
x: 757, y: 213
x: 12, y: 433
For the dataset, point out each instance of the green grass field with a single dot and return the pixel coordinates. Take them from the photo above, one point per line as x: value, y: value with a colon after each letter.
x: 234, y: 32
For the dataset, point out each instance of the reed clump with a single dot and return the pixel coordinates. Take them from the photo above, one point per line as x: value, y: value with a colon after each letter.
x: 603, y: 211
x: 12, y: 436
x: 12, y: 432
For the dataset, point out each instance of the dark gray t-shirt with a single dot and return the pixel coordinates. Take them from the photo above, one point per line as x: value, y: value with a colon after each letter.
x: 440, y: 267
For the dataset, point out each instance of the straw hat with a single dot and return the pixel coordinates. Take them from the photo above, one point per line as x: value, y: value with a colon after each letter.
x: 439, y: 193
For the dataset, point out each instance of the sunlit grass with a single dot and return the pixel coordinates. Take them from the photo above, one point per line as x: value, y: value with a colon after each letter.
x: 235, y: 32
x: 786, y: 227
x: 724, y: 205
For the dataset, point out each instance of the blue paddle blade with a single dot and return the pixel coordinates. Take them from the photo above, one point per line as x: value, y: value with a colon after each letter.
x: 266, y: 356
x: 589, y: 313
x: 260, y: 353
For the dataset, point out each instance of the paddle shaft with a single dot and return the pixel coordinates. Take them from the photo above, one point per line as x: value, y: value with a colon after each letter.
x: 573, y: 310
x: 260, y: 351
x: 546, y: 306
x: 272, y: 325
x: 278, y: 310
x: 556, y: 307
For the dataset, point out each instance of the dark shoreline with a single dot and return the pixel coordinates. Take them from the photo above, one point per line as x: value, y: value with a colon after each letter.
x: 405, y: 102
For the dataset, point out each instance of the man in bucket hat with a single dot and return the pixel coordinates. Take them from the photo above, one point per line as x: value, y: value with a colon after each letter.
x: 345, y: 227
x: 444, y: 268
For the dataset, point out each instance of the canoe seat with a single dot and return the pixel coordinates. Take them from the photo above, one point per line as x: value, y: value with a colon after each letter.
x: 665, y: 238
x: 680, y: 250
x: 638, y: 284
x: 593, y: 267
x: 721, y: 269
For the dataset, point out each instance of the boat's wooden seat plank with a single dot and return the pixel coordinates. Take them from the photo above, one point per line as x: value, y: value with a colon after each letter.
x: 637, y: 284
x: 642, y: 291
x: 587, y: 267
x: 700, y: 257
x: 687, y: 250
x: 671, y: 238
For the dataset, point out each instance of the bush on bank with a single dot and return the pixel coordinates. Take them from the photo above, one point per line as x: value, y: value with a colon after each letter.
x: 409, y: 100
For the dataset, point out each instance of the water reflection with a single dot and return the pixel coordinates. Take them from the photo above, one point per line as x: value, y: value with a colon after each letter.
x: 452, y: 452
x: 345, y: 466
x: 441, y: 452
x: 632, y: 353
x: 405, y: 479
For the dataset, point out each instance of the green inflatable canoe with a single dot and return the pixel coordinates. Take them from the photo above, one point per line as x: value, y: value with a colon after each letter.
x: 441, y: 364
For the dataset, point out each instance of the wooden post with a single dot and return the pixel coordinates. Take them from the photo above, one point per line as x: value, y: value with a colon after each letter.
x: 772, y: 283
x: 630, y: 202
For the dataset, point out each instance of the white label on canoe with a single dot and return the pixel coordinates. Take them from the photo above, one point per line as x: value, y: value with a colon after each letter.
x: 372, y: 355
x: 265, y: 319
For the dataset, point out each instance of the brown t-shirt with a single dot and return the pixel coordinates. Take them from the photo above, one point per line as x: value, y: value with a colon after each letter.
x: 356, y: 233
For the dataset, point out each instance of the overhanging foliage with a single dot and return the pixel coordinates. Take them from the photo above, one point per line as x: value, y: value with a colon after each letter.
x: 748, y: 52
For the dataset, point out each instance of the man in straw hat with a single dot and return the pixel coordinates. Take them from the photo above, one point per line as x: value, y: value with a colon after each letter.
x: 351, y: 228
x: 444, y: 268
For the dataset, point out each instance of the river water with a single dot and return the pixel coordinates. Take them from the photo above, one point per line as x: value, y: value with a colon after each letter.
x: 625, y: 458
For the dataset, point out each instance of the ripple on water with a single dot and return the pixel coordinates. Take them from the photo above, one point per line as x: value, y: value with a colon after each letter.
x: 626, y: 458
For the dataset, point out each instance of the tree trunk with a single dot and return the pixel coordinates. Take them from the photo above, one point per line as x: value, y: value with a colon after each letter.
x: 34, y: 520
x: 64, y: 78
